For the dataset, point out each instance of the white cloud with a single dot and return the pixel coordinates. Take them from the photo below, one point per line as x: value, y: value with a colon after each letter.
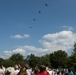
x: 7, y: 53
x: 20, y: 36
x: 35, y: 49
x: 25, y: 50
x: 69, y: 28
x: 18, y: 50
x: 63, y: 40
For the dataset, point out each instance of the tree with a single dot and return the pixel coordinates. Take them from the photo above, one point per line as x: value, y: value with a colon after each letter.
x: 2, y: 61
x: 17, y: 58
x: 74, y: 51
x: 33, y: 60
x: 73, y: 57
x: 44, y: 60
x: 37, y: 61
x: 58, y: 59
x: 9, y: 63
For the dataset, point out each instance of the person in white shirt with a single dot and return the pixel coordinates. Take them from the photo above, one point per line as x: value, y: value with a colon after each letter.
x: 28, y: 69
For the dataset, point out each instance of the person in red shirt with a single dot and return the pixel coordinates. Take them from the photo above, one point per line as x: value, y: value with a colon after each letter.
x: 42, y: 70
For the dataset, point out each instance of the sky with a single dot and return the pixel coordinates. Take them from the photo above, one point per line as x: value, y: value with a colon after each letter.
x: 32, y: 27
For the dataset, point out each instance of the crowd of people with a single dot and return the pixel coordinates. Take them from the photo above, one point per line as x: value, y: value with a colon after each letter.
x: 26, y: 70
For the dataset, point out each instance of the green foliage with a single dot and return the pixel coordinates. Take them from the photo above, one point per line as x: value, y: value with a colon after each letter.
x: 69, y: 62
x: 9, y: 62
x: 18, y: 59
x: 74, y: 52
x: 45, y: 60
x: 33, y: 60
x: 2, y: 61
x: 58, y: 59
x: 37, y: 61
x: 72, y: 58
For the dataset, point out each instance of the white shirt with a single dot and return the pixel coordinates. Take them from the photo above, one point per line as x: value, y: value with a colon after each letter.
x: 29, y: 71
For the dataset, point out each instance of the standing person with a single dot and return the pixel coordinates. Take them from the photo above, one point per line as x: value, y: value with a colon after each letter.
x: 42, y: 71
x: 66, y: 72
x: 36, y: 71
x: 1, y: 71
x: 22, y: 71
x: 16, y: 67
x: 70, y: 72
x: 28, y: 69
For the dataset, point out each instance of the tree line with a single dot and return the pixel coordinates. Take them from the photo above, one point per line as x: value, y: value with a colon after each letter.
x: 57, y: 59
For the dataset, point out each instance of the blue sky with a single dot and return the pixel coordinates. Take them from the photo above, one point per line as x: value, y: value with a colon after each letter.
x: 53, y: 28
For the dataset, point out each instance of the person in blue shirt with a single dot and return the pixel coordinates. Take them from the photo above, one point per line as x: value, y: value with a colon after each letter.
x: 70, y: 72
